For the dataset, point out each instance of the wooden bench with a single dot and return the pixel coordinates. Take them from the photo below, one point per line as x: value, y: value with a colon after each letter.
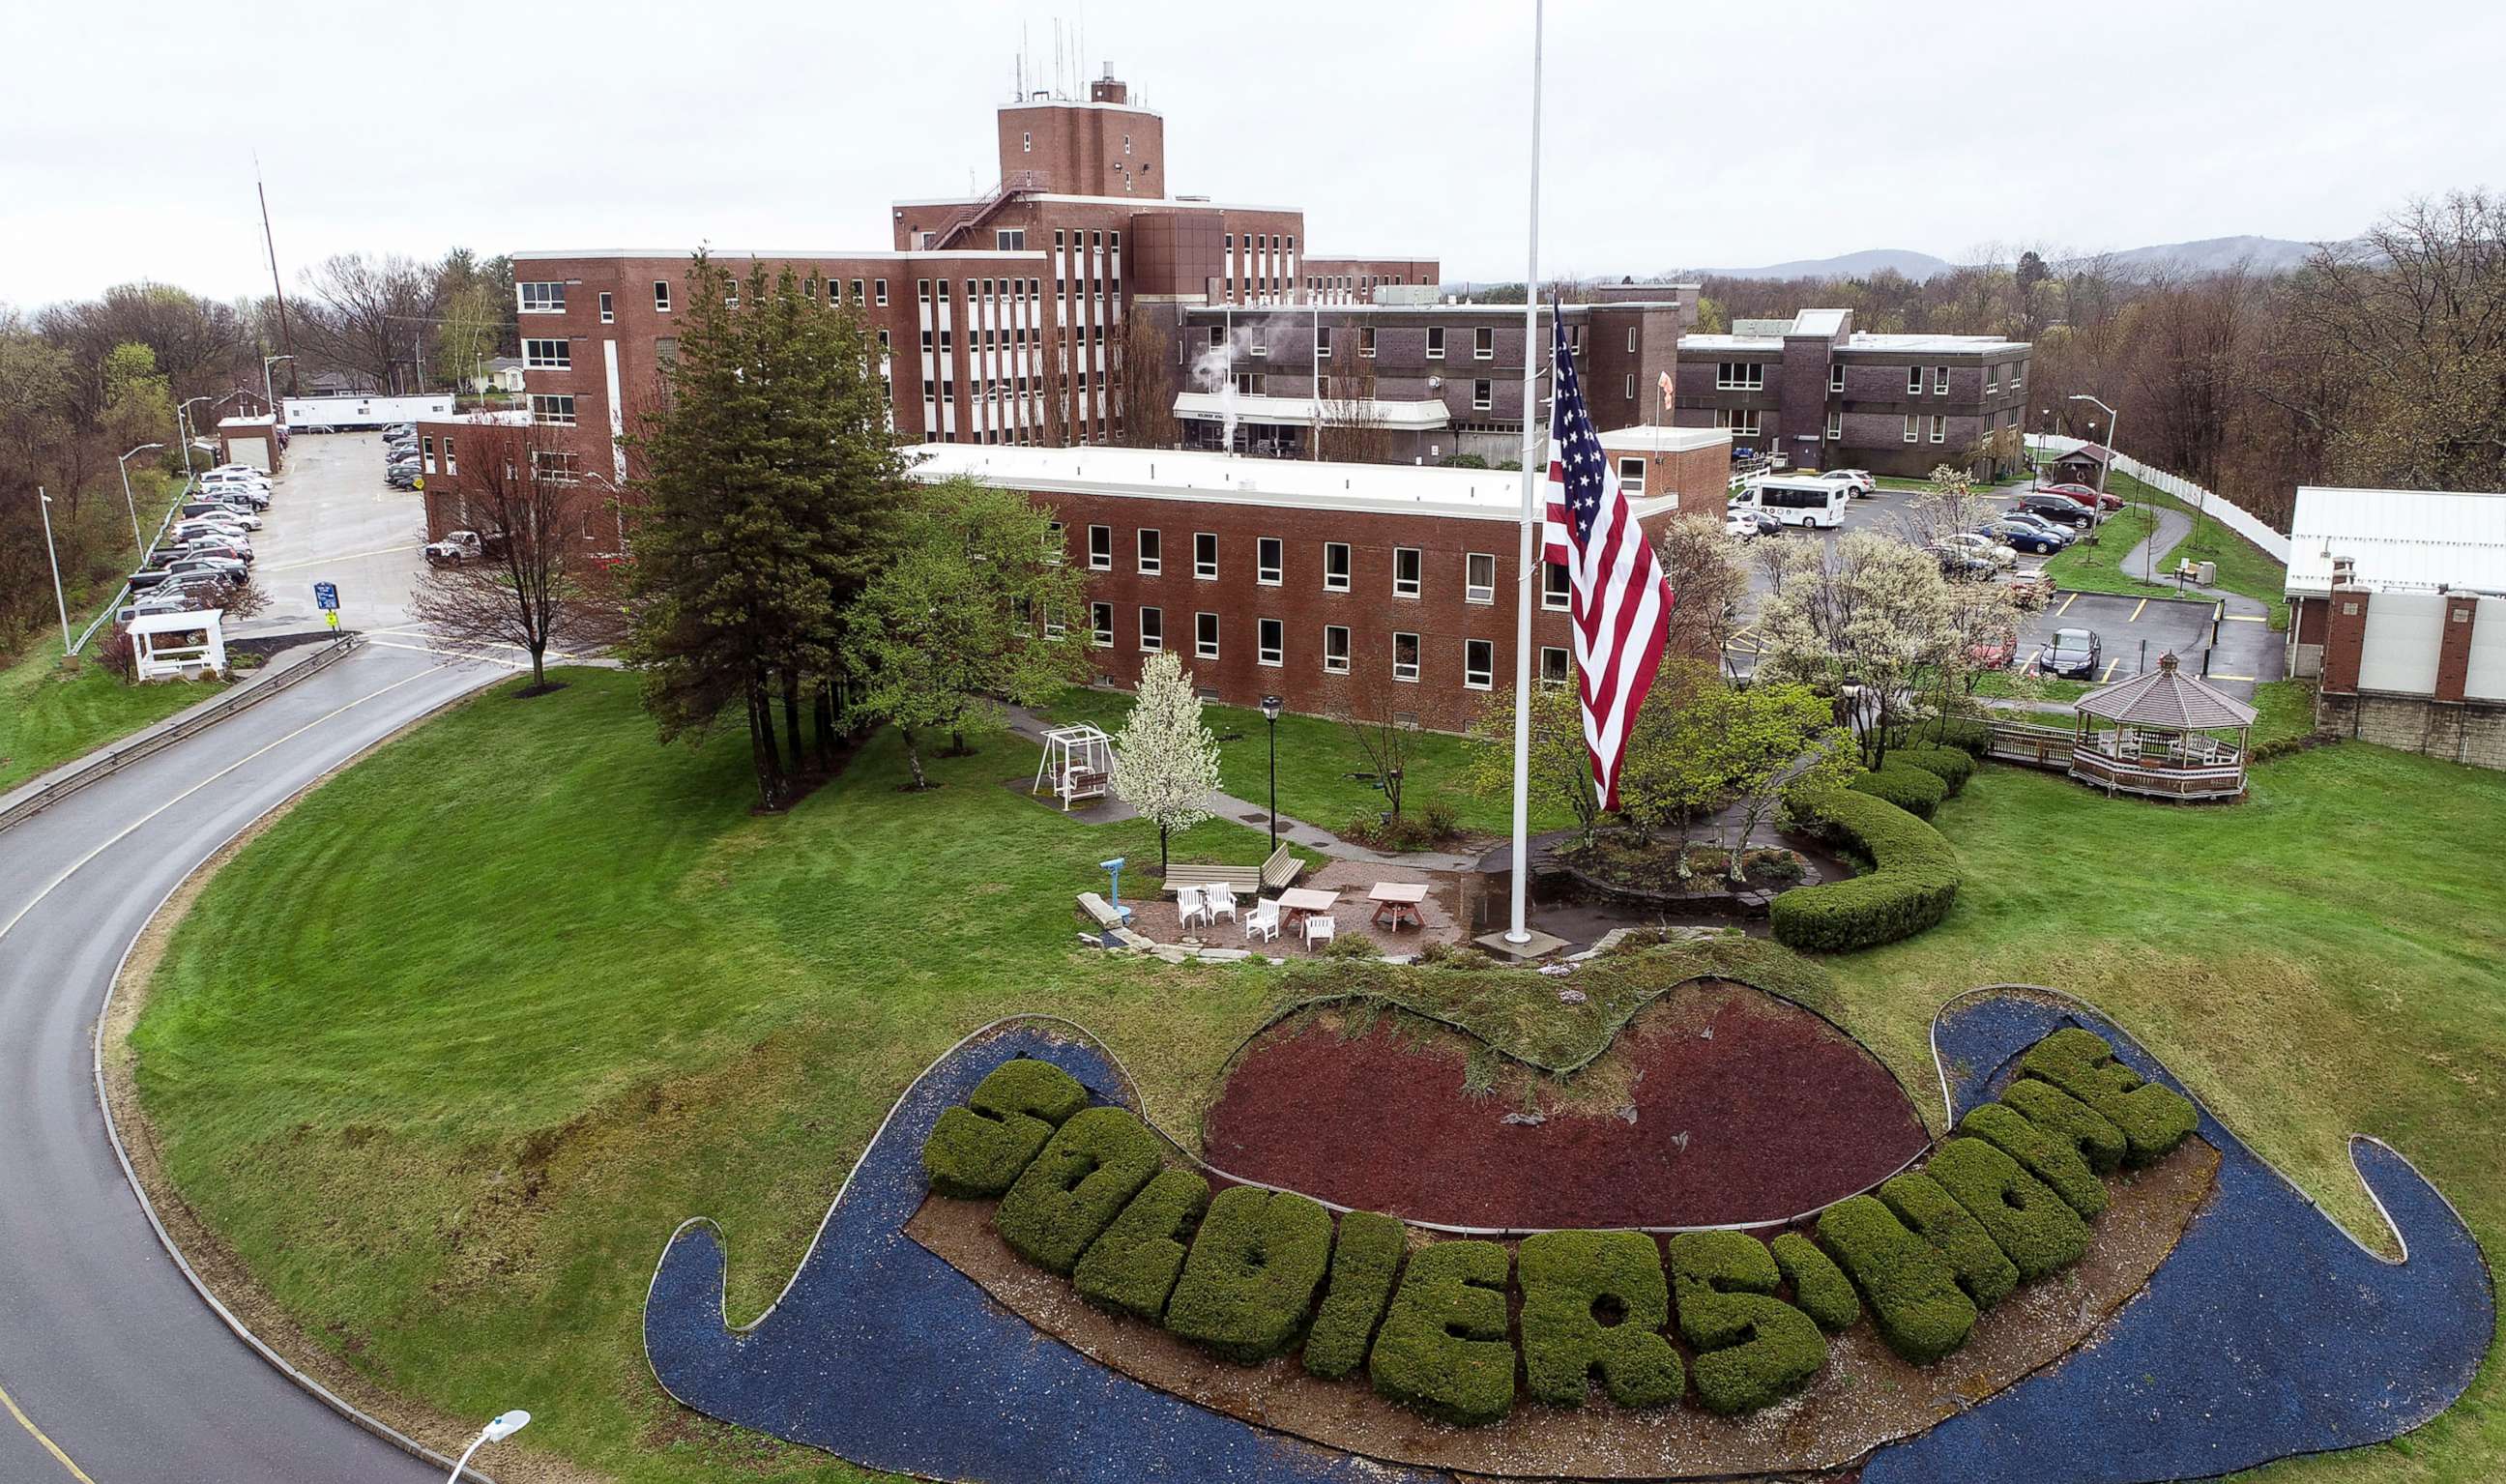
x: 1272, y: 875
x: 1280, y: 871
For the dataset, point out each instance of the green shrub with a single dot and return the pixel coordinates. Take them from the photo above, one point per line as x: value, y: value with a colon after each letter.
x: 2154, y: 1119
x: 2067, y: 1119
x: 1354, y: 946
x: 1971, y: 737
x: 1913, y: 882
x: 1088, y: 1173
x: 1752, y: 1348
x: 2036, y: 1229
x: 1566, y: 1277
x: 1934, y: 1214
x: 1913, y: 1297
x: 1248, y: 1286
x: 979, y: 1150
x: 1949, y: 764
x: 2050, y: 1157
x: 1365, y: 1260
x: 1131, y: 1268
x: 1443, y: 1348
x: 1908, y: 787
x: 1820, y: 1289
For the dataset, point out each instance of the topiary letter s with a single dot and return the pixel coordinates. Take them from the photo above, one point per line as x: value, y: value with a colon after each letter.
x: 979, y: 1150
x: 2154, y: 1119
x: 1752, y: 1348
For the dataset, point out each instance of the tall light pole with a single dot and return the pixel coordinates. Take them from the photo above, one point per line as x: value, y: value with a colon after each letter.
x: 499, y: 1427
x: 59, y: 597
x: 124, y: 461
x: 183, y: 428
x: 2114, y: 420
x: 269, y: 393
x: 1270, y: 706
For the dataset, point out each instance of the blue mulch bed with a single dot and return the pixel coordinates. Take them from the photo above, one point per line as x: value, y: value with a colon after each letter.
x: 2267, y: 1332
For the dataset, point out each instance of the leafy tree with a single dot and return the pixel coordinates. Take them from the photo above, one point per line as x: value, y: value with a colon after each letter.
x: 1674, y: 770
x: 973, y: 608
x: 1165, y: 762
x: 1560, y: 769
x: 1709, y: 580
x: 1868, y: 611
x: 1773, y: 738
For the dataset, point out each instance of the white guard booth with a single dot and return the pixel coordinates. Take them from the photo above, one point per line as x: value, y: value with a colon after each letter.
x: 178, y: 646
x: 1078, y: 763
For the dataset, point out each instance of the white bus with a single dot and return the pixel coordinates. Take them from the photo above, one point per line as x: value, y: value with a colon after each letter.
x: 1802, y: 502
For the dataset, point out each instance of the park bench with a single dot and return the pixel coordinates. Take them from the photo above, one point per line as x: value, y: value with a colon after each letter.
x: 1272, y: 874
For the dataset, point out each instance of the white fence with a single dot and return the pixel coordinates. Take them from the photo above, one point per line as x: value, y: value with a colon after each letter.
x: 2215, y: 506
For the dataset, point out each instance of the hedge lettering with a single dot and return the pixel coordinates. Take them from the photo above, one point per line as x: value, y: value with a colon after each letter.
x: 2154, y: 1119
x: 1131, y: 1268
x: 1443, y: 1348
x: 1365, y: 1260
x: 1567, y: 1279
x: 1820, y: 1289
x: 1911, y: 1293
x: 1752, y: 1348
x: 979, y: 1150
x: 1934, y: 1214
x: 1087, y: 1173
x: 2049, y: 1156
x: 1248, y: 1286
x: 2067, y: 1119
x: 2036, y: 1229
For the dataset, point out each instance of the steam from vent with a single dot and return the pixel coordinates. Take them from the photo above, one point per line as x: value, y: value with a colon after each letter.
x: 1211, y: 370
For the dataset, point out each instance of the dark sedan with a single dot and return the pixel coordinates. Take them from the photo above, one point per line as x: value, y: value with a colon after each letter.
x: 2057, y: 509
x: 2071, y: 654
x: 2021, y: 535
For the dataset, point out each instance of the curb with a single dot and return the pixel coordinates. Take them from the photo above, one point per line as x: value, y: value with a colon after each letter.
x: 216, y: 709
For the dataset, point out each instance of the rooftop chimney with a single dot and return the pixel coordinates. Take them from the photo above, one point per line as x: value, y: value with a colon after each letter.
x: 1106, y: 90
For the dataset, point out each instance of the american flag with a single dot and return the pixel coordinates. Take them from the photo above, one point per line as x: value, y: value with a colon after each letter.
x: 1620, y: 601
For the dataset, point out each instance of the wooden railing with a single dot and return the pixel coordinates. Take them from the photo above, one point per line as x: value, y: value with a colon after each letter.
x: 2195, y: 766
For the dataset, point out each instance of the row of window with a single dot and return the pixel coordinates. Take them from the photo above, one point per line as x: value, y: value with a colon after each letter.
x: 1482, y: 342
x: 1751, y: 377
x: 1271, y: 646
x: 548, y: 297
x: 1269, y: 563
x: 1744, y: 423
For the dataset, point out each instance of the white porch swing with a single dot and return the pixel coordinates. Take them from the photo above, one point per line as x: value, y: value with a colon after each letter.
x: 1078, y: 763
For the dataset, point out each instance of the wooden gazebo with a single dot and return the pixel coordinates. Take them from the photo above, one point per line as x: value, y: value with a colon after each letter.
x: 2160, y: 738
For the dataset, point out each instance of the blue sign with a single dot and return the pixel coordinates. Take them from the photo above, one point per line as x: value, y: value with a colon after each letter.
x: 326, y: 596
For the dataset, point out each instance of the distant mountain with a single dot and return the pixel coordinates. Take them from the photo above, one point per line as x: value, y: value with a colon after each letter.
x: 2263, y: 254
x: 1862, y: 265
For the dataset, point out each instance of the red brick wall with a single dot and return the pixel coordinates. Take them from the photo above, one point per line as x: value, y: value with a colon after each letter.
x: 2344, y: 633
x: 2454, y: 653
x: 1085, y: 151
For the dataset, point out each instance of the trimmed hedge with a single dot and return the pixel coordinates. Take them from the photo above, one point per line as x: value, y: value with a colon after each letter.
x: 2067, y: 1119
x: 978, y: 1150
x: 1913, y: 1297
x: 1566, y: 1275
x: 1131, y: 1268
x: 2154, y: 1119
x: 1907, y: 787
x: 1950, y: 766
x: 1913, y: 882
x: 1964, y: 733
x: 1752, y: 1348
x: 1365, y: 1260
x: 2050, y: 1157
x: 1820, y: 1289
x: 1934, y: 1214
x: 1248, y: 1286
x: 2035, y: 1228
x: 1443, y: 1348
x: 1088, y: 1173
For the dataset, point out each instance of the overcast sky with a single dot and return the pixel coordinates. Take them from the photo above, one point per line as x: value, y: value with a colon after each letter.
x: 1678, y: 134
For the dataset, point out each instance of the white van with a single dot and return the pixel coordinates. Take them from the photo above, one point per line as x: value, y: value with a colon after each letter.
x: 1808, y: 501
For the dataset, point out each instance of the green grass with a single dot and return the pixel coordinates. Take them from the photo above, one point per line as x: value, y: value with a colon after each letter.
x: 2287, y: 710
x: 50, y: 716
x: 2004, y: 685
x: 1317, y: 755
x: 2098, y: 567
x: 452, y: 1136
x: 2243, y: 566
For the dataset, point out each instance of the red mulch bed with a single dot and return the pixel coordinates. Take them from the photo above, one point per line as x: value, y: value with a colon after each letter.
x: 1782, y: 1113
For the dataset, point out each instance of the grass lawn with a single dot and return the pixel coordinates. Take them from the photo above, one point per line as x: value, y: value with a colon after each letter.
x: 2287, y: 710
x: 448, y: 1091
x: 1317, y: 755
x: 49, y: 717
x: 2243, y: 566
x: 2098, y: 567
x: 2005, y: 683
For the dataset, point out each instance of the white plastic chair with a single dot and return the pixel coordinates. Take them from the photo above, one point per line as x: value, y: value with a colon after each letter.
x: 1217, y: 900
x: 1189, y: 906
x: 1318, y: 928
x: 1262, y: 919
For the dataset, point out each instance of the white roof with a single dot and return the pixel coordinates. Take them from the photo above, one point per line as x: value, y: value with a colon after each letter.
x: 1916, y: 345
x: 1820, y: 322
x: 2399, y: 538
x: 1663, y: 439
x: 179, y: 623
x: 1402, y: 417
x: 262, y: 421
x: 484, y: 418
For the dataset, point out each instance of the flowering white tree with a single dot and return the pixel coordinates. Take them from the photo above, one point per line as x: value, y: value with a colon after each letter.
x: 1869, y: 610
x: 1165, y: 762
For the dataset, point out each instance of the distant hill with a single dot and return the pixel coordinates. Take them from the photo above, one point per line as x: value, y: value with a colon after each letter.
x: 2264, y: 253
x: 1862, y: 265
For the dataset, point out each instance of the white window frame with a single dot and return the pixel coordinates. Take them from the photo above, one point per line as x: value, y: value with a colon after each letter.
x: 551, y: 466
x: 1566, y: 667
x: 1472, y: 589
x: 1914, y: 427
x: 1101, y: 561
x: 1940, y: 428
x: 1631, y: 474
x: 1482, y: 396
x: 1366, y: 342
x: 1416, y: 580
x: 1338, y: 665
x: 1053, y: 630
x: 1835, y: 376
x: 1152, y: 617
x: 1204, y: 649
x: 662, y: 295
x: 550, y: 298
x: 1270, y: 560
x: 1991, y: 380
x: 1483, y: 343
x: 1630, y: 393
x: 1435, y: 342
x: 1348, y: 566
x: 1204, y: 571
x: 1412, y: 678
x: 1743, y: 422
x: 548, y: 355
x: 1151, y: 548
x: 608, y: 307
x: 1631, y: 339
x: 1269, y: 642
x: 1913, y: 381
x: 1100, y: 621
x: 1487, y: 674
x: 1834, y: 425
x: 1057, y: 543
x: 1740, y: 376
x: 1940, y: 381
x: 1556, y: 589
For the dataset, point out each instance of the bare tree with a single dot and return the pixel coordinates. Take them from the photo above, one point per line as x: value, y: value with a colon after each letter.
x: 369, y: 316
x: 536, y: 584
x: 1383, y: 735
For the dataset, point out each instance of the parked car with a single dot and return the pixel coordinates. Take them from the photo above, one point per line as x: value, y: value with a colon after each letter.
x: 210, y: 526
x: 2030, y: 588
x: 234, y: 493
x: 1858, y: 480
x: 213, y: 513
x: 400, y: 430
x: 2072, y: 653
x: 2061, y: 533
x: 1964, y: 554
x: 1995, y: 653
x: 402, y: 477
x: 458, y: 547
x: 232, y: 551
x: 2061, y: 509
x: 2087, y: 495
x: 1741, y: 525
x: 2022, y: 537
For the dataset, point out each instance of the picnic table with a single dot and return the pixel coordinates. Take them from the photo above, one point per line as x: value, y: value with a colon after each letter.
x: 1399, y: 899
x: 1297, y: 902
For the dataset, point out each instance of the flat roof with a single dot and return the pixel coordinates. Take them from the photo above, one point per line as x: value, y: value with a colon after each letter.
x: 264, y: 420
x: 682, y: 254
x: 484, y: 418
x: 1917, y: 344
x: 1659, y: 440
x: 1440, y: 306
x: 1423, y: 415
x: 1322, y: 256
x: 2399, y: 538
x: 1031, y: 105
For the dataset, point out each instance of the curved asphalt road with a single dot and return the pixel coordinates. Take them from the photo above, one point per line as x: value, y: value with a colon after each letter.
x: 104, y: 1347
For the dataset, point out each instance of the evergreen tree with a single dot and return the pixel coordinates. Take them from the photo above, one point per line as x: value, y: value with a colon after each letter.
x: 1165, y: 762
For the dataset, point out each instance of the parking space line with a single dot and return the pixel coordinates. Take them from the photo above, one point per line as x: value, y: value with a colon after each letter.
x: 2111, y: 666
x: 349, y: 557
x: 2244, y: 618
x: 2135, y: 611
x: 2066, y: 605
x: 37, y: 1434
x: 2247, y: 678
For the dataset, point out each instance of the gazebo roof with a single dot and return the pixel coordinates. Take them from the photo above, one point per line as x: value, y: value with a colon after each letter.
x: 2168, y: 698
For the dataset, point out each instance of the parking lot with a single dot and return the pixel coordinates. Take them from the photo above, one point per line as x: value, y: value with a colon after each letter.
x: 2133, y: 632
x: 332, y: 519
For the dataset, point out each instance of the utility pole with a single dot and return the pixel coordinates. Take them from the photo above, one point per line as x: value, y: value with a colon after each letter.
x: 286, y: 337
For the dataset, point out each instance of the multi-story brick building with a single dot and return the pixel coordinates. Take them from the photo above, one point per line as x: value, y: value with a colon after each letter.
x: 1345, y: 278
x: 1829, y: 396
x: 1330, y: 585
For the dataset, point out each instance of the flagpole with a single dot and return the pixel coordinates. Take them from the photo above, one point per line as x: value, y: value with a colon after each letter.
x: 1525, y: 568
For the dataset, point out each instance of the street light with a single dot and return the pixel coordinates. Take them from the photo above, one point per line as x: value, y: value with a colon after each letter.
x: 269, y: 395
x: 2114, y: 425
x: 497, y: 1429
x: 1270, y: 706
x: 58, y: 596
x: 183, y: 428
x: 124, y: 461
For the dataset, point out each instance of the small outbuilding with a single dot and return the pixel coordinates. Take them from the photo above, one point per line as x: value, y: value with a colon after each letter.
x: 184, y: 646
x: 2081, y: 466
x: 2159, y: 734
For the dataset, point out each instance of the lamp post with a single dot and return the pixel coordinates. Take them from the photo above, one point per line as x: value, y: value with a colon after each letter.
x: 2114, y: 423
x: 59, y: 597
x: 269, y: 395
x: 1270, y: 706
x: 124, y: 463
x: 183, y: 429
x: 499, y: 1427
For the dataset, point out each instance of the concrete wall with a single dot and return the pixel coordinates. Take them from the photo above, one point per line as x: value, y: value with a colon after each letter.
x: 2467, y: 732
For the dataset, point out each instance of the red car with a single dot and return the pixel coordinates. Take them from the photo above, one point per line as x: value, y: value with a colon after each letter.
x: 1994, y: 654
x: 2085, y: 495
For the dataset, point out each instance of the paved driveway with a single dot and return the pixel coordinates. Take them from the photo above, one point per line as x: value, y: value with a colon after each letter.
x: 332, y: 519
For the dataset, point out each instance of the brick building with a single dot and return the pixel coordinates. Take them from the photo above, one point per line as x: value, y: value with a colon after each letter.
x: 1343, y: 278
x: 1325, y: 584
x: 1829, y: 396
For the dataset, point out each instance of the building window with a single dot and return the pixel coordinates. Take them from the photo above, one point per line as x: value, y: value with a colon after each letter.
x: 1153, y: 629
x: 1217, y: 335
x: 1914, y: 427
x: 551, y: 467
x: 2018, y: 378
x: 1742, y: 421
x: 1632, y: 475
x: 1836, y: 376
x: 540, y: 297
x: 608, y: 307
x: 1268, y: 559
x: 922, y: 290
x: 555, y: 411
x: 1740, y: 377
x: 426, y: 453
x: 662, y: 295
x: 451, y: 465
x: 1009, y: 239
x: 1834, y: 425
x: 1435, y: 342
x: 1052, y: 627
x: 1100, y: 549
x: 1027, y: 141
x: 1151, y: 553
x: 1204, y: 556
x: 1940, y: 428
x: 1335, y: 566
x: 1260, y: 344
x: 1630, y: 393
x: 1940, y: 381
x: 1406, y: 563
x: 1336, y: 648
x: 878, y: 289
x: 1483, y: 343
x: 1631, y: 339
x: 1552, y: 665
x: 1992, y: 379
x: 1913, y: 382
x: 1271, y: 639
x: 1478, y: 664
x: 548, y: 355
x: 1478, y: 578
x: 1404, y: 657
x: 1100, y: 624
x: 1204, y: 636
x: 1482, y: 396
x: 1057, y: 546
x: 1553, y: 586
x: 1366, y: 342
x: 1322, y: 345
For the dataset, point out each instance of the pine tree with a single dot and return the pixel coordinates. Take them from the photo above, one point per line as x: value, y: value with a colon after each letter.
x: 1165, y: 762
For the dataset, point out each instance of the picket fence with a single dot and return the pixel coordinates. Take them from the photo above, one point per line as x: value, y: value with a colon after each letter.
x: 2212, y: 505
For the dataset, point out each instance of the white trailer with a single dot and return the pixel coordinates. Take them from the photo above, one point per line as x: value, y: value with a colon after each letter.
x: 339, y: 414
